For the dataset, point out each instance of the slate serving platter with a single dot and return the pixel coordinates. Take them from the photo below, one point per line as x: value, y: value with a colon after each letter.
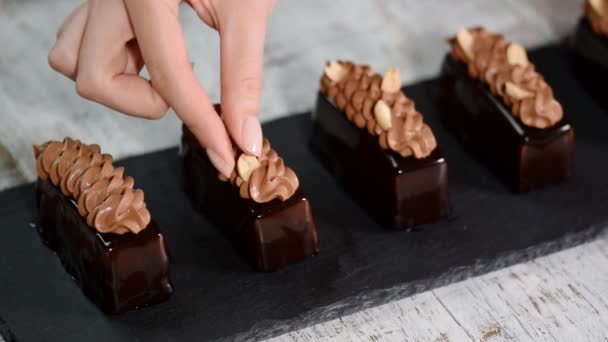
x: 218, y: 297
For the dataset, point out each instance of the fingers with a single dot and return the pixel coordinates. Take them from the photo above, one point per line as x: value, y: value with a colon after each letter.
x: 108, y: 64
x: 242, y: 51
x: 63, y: 57
x: 134, y: 60
x: 163, y: 49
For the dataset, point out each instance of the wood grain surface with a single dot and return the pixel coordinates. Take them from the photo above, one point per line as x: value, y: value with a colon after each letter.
x: 558, y: 297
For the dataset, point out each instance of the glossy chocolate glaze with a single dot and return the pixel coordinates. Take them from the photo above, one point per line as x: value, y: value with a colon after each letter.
x: 590, y: 60
x: 117, y: 272
x: 526, y: 158
x: 268, y: 235
x: 400, y: 193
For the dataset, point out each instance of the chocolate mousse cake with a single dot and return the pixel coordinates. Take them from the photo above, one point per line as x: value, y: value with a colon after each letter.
x: 504, y: 112
x: 261, y: 207
x: 589, y: 46
x: 370, y: 136
x: 100, y: 227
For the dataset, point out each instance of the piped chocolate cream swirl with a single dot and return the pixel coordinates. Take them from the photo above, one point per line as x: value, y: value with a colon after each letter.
x: 104, y: 196
x: 376, y: 103
x: 505, y: 68
x: 265, y: 178
x: 596, y: 12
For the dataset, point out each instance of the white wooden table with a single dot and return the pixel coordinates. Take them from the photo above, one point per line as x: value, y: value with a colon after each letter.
x: 563, y: 296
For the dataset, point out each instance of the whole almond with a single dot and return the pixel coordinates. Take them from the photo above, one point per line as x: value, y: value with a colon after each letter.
x: 245, y: 166
x: 382, y: 113
x: 517, y: 92
x: 335, y: 71
x: 391, y: 82
x: 516, y: 55
x: 465, y: 40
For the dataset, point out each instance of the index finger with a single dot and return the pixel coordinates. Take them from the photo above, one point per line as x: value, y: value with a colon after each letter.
x: 161, y: 42
x: 242, y: 50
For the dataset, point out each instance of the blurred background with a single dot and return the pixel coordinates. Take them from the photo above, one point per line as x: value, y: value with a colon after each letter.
x: 37, y: 104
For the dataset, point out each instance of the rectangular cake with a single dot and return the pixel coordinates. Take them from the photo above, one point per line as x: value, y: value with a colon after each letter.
x: 504, y: 112
x: 100, y: 227
x: 266, y: 214
x: 369, y: 135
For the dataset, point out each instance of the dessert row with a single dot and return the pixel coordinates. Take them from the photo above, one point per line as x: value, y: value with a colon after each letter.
x: 367, y: 132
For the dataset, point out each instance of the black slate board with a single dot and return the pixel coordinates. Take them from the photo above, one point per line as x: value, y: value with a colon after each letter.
x: 361, y: 265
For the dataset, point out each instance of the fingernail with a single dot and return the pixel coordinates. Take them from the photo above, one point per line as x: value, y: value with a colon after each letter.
x: 251, y: 136
x: 220, y: 163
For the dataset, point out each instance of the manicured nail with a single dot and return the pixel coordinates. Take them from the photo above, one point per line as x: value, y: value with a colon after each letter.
x: 251, y: 136
x: 223, y: 166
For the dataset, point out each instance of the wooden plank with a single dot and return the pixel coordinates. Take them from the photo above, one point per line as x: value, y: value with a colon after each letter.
x: 559, y: 297
x: 418, y: 318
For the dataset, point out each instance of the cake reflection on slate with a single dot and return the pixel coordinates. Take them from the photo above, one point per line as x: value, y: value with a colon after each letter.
x: 379, y: 148
x: 504, y: 112
x: 271, y: 222
x: 100, y: 228
x: 589, y: 47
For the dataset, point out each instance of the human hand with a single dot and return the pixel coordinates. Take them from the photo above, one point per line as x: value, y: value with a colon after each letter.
x: 104, y: 44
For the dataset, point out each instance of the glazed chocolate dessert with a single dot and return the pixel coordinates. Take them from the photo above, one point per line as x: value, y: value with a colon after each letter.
x: 375, y: 142
x: 504, y: 111
x: 99, y: 227
x: 589, y: 46
x: 261, y: 207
